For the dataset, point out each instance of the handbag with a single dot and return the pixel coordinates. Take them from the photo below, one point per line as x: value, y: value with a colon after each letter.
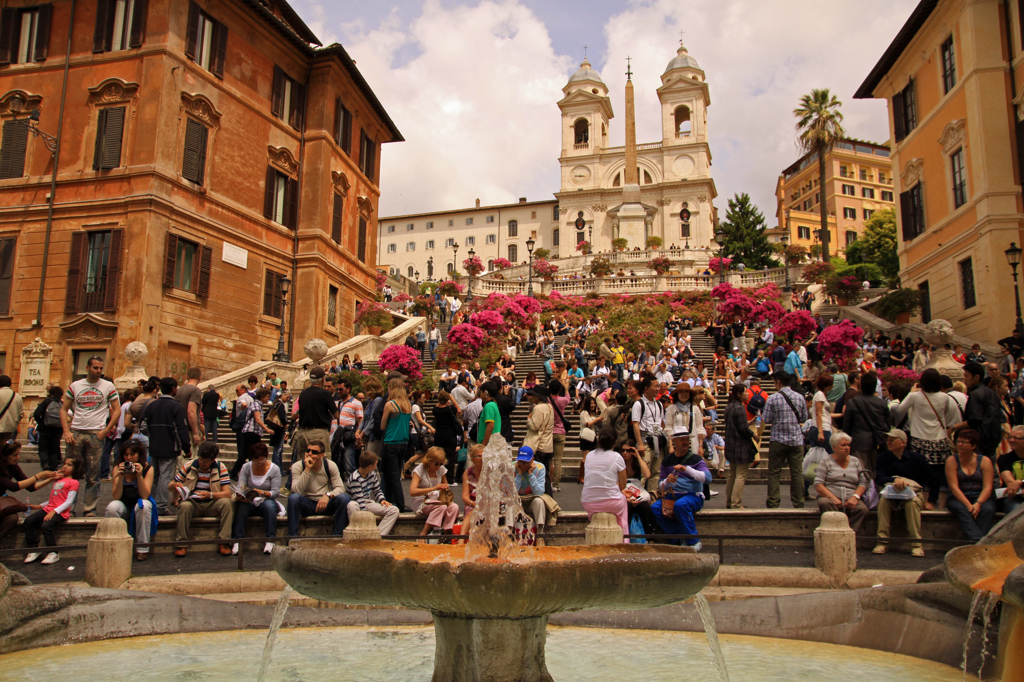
x: 949, y: 439
x: 636, y: 527
x: 274, y: 418
x: 587, y: 433
x: 11, y: 505
x: 445, y: 496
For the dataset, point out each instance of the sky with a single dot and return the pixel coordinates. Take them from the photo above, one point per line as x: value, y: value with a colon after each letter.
x: 473, y: 85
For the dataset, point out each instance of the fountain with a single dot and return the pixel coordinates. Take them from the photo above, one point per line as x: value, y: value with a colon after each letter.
x: 491, y: 599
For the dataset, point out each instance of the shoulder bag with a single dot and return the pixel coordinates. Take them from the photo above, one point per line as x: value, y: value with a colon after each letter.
x: 948, y: 438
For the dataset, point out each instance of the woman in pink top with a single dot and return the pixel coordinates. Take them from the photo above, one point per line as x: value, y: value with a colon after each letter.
x: 56, y: 510
x: 604, y: 480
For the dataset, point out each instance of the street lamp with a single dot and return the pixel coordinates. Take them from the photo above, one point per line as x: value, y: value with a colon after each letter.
x: 720, y: 240
x: 16, y: 104
x: 1013, y: 258
x: 529, y: 249
x: 469, y: 290
x: 784, y: 240
x: 282, y: 355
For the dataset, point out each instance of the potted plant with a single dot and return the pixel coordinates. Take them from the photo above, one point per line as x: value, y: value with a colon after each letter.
x: 660, y: 265
x: 654, y: 242
x: 620, y: 243
x: 817, y: 272
x: 601, y: 267
x: 375, y: 317
x: 541, y: 254
x: 897, y: 305
x: 424, y: 306
x: 474, y: 266
x: 839, y: 342
x: 501, y: 263
x: 795, y: 253
x: 544, y: 269
x: 449, y: 288
x: 843, y: 288
x: 401, y: 358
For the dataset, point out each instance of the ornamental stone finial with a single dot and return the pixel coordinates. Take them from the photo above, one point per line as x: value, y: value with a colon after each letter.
x: 315, y: 350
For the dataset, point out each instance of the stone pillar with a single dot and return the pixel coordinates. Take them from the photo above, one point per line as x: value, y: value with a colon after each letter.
x: 489, y: 649
x: 108, y: 560
x: 603, y: 530
x: 835, y: 548
x: 362, y: 525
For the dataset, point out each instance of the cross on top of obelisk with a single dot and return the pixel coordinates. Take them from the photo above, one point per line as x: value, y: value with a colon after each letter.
x: 629, y: 70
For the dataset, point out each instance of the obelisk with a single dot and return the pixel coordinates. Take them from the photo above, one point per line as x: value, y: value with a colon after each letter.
x: 631, y: 214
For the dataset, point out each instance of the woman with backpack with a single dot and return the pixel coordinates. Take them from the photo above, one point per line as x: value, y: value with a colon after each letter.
x: 47, y: 418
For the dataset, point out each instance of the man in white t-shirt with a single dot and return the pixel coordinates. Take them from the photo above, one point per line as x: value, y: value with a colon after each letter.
x: 647, y: 422
x: 95, y: 410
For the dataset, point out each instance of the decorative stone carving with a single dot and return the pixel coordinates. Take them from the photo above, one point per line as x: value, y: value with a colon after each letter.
x: 911, y: 173
x: 200, y: 107
x: 281, y: 158
x: 315, y: 350
x: 664, y: 202
x: 563, y: 211
x: 135, y: 352
x: 35, y: 369
x: 88, y: 327
x: 953, y: 135
x: 703, y: 199
x: 341, y: 183
x: 113, y: 91
x: 365, y: 206
x: 23, y: 103
x: 938, y: 334
x: 600, y: 208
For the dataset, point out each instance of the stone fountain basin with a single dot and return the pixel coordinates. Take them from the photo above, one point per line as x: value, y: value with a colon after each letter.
x: 990, y: 568
x: 437, y: 578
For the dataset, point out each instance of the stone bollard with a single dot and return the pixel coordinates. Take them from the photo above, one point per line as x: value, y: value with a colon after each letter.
x: 108, y: 560
x: 835, y: 548
x: 603, y: 529
x: 362, y: 525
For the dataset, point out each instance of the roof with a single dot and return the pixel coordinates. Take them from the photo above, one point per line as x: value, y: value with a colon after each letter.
x: 292, y: 27
x: 895, y: 50
x: 384, y: 219
x: 336, y: 50
x: 586, y: 73
x: 799, y: 163
x: 682, y: 60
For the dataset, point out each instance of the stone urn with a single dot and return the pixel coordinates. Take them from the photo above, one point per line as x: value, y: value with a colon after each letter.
x: 938, y: 334
x: 315, y: 350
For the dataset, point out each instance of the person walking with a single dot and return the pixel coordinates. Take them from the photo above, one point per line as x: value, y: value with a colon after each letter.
x: 165, y: 422
x: 786, y: 411
x: 47, y: 418
x: 740, y: 448
x: 211, y: 413
x: 395, y: 427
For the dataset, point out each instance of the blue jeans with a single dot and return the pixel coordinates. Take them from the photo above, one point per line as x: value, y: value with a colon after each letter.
x: 211, y: 429
x: 111, y: 451
x: 300, y: 506
x: 278, y: 455
x: 974, y: 528
x: 812, y: 438
x: 433, y: 355
x: 351, y: 462
x: 268, y: 510
x: 1011, y: 503
x: 681, y: 522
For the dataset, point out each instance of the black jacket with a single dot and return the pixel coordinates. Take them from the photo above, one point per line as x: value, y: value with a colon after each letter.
x: 167, y: 426
x: 867, y: 420
x: 984, y: 415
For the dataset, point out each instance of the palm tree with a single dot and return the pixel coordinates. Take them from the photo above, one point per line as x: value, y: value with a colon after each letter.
x: 819, y: 125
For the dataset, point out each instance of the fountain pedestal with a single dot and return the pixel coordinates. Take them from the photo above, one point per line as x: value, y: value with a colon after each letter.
x: 494, y: 649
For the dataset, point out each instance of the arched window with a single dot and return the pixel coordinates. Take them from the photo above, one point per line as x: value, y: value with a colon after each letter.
x: 513, y: 228
x: 582, y: 131
x: 490, y: 265
x: 554, y: 238
x: 648, y: 180
x: 451, y: 268
x: 410, y: 271
x: 683, y: 124
x: 513, y: 252
x: 618, y: 180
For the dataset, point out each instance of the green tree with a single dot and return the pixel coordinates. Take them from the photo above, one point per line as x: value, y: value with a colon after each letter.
x: 819, y: 125
x: 878, y: 244
x: 745, y: 239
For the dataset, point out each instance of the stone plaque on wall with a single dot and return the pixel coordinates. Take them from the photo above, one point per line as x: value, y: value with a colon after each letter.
x: 235, y: 255
x: 35, y: 369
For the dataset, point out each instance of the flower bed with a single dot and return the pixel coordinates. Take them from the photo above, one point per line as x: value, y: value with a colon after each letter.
x: 839, y: 342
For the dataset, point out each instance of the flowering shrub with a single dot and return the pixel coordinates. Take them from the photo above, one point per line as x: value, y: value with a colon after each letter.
x: 488, y: 320
x: 722, y: 291
x: 716, y: 264
x: 660, y: 265
x: 402, y: 359
x: 402, y: 298
x: 654, y: 242
x: 542, y: 268
x: 601, y: 267
x: 449, y: 288
x: 817, y: 272
x: 424, y: 306
x: 529, y: 305
x: 799, y: 323
x: 767, y: 311
x: 382, y: 279
x: 474, y: 266
x: 467, y: 337
x: 843, y: 287
x: 769, y: 292
x: 584, y: 247
x: 374, y: 314
x: 501, y: 263
x: 736, y: 304
x: 891, y: 376
x: 839, y: 342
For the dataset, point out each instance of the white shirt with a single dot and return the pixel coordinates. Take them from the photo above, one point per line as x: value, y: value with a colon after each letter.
x: 768, y: 337
x: 665, y: 377
x: 462, y: 396
x: 601, y: 476
x: 826, y: 412
x: 652, y: 415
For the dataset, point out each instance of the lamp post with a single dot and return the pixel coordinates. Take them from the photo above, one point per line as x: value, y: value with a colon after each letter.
x: 282, y: 355
x: 784, y: 240
x: 720, y: 240
x: 529, y: 249
x: 469, y: 270
x: 1013, y: 258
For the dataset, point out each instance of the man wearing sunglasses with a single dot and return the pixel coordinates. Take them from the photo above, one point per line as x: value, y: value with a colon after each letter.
x: 317, y: 489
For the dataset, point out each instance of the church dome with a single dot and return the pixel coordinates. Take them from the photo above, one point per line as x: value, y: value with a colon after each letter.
x: 586, y: 74
x: 682, y: 60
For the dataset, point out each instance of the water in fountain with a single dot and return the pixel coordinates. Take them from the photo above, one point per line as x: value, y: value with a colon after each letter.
x: 275, y: 625
x: 975, y: 604
x: 704, y: 609
x: 990, y: 605
x: 497, y: 500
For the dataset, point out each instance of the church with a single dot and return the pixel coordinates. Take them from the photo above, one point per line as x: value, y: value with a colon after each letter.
x: 632, y: 192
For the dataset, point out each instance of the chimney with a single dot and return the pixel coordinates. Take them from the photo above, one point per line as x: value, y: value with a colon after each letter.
x: 478, y: 203
x: 522, y: 200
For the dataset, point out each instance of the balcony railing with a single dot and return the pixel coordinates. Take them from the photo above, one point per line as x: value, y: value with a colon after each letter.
x: 581, y: 145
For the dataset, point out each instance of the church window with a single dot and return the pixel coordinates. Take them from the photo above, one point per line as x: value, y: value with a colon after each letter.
x: 410, y: 270
x: 684, y: 127
x: 618, y: 180
x: 581, y: 128
x: 648, y: 180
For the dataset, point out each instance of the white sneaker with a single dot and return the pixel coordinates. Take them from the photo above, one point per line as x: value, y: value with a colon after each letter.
x: 234, y: 549
x: 698, y: 547
x: 51, y: 558
x: 453, y: 485
x: 714, y: 493
x: 32, y: 556
x: 267, y: 548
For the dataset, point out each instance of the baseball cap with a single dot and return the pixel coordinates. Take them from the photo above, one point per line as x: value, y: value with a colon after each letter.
x: 898, y: 433
x: 317, y: 373
x: 525, y: 454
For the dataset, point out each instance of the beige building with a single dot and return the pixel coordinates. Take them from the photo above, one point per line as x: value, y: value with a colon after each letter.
x: 858, y: 182
x: 954, y: 81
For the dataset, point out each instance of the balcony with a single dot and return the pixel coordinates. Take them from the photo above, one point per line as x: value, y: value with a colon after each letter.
x: 581, y: 145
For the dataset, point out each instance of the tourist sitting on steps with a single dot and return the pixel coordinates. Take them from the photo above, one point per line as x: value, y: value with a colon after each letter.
x: 604, y: 480
x: 1011, y: 470
x: 530, y: 484
x: 841, y: 481
x: 57, y: 510
x: 365, y: 491
x: 133, y: 495
x: 317, y: 489
x: 432, y: 497
x: 681, y: 483
x: 259, y: 483
x: 202, y: 487
x: 969, y: 477
x: 901, y: 477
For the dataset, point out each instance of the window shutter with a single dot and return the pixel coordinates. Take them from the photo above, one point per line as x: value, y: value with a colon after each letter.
x: 277, y: 96
x: 362, y: 240
x: 205, y: 267
x: 291, y: 209
x: 109, y: 138
x: 6, y: 274
x: 12, y: 149
x: 204, y: 134
x: 346, y: 131
x: 297, y: 116
x: 337, y: 120
x: 220, y: 49
x: 102, y: 37
x: 910, y: 105
x: 897, y: 116
x: 194, y: 163
x: 8, y: 25
x: 272, y: 294
x: 101, y: 134
x: 192, y: 30
x: 74, y: 291
x: 268, y: 193
x: 113, y: 283
x: 906, y: 216
x: 138, y: 28
x: 170, y: 259
x: 336, y: 218
x: 43, y: 31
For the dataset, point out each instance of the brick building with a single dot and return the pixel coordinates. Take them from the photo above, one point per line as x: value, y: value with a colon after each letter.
x: 206, y: 152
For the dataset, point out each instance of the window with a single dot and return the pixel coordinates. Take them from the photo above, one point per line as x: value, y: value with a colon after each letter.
x: 554, y: 237
x: 843, y: 172
x: 206, y: 40
x: 120, y: 25
x: 469, y: 221
x: 342, y: 126
x: 448, y: 243
x: 850, y: 213
x: 272, y: 296
x: 581, y: 131
x: 926, y: 303
x: 429, y: 246
x: 863, y: 174
x: 868, y: 213
x: 513, y: 252
x: 580, y: 236
x: 817, y: 197
x: 430, y: 224
x: 80, y: 361
x: 867, y: 192
x: 410, y: 271
x: 12, y: 149
x: 332, y: 305
x: 361, y: 241
x: 881, y: 177
x: 849, y: 190
x: 489, y: 219
x: 803, y: 232
x: 109, y: 131
x: 7, y: 251
x: 3, y: 363
x: 967, y: 283
x: 959, y: 178
x: 392, y: 248
x: 337, y: 216
x: 94, y: 272
x: 513, y: 229
x: 470, y: 241
x: 367, y: 155
x: 391, y: 228
x: 904, y: 111
x: 851, y: 237
x: 948, y: 65
x: 490, y: 265
x: 288, y: 99
x: 554, y: 212
x: 492, y: 239
x: 24, y: 34
x: 912, y: 212
x: 281, y: 198
x: 193, y: 164
x: 684, y: 231
x: 450, y: 268
x: 187, y: 266
x: 409, y: 227
x: 886, y: 195
x: 410, y: 246
x: 533, y: 215
x: 451, y: 223
x: 807, y: 204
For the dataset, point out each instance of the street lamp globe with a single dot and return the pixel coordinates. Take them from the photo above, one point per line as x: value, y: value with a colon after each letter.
x: 285, y: 285
x: 784, y: 240
x: 1013, y: 255
x: 530, y: 243
x: 720, y: 237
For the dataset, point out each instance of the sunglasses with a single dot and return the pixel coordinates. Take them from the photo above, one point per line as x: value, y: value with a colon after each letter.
x: 314, y: 451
